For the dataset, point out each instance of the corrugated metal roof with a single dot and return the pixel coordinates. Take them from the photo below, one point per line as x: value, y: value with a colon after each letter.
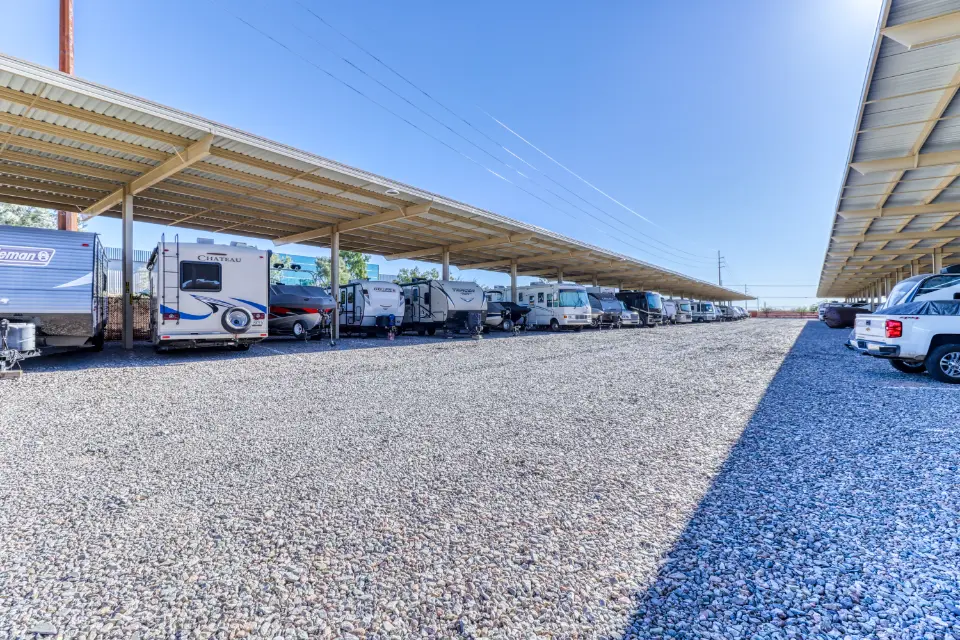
x: 896, y: 203
x: 68, y: 143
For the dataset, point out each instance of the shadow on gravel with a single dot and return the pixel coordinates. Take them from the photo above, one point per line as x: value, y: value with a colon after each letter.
x: 114, y: 356
x: 835, y: 515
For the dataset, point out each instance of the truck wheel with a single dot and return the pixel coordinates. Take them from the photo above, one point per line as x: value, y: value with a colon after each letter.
x: 908, y: 367
x: 554, y: 324
x: 943, y: 363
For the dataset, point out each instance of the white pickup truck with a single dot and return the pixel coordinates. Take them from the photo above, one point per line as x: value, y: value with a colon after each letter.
x: 917, y: 329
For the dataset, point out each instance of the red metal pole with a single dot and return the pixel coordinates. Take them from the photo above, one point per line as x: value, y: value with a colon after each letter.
x: 66, y: 220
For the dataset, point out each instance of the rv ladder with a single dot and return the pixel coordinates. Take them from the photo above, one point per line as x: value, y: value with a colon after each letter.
x: 164, y: 272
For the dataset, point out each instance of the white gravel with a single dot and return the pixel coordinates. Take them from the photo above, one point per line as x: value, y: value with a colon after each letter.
x: 504, y: 488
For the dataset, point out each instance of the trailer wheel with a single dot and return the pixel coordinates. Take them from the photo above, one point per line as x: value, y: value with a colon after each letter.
x: 507, y: 324
x: 299, y: 330
x: 943, y: 363
x: 554, y: 324
x: 432, y: 331
x: 421, y: 332
x: 236, y: 320
x: 97, y: 342
x: 908, y: 367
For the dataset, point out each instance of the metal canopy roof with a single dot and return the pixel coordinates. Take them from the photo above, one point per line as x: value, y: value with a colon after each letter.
x: 898, y: 208
x: 70, y: 144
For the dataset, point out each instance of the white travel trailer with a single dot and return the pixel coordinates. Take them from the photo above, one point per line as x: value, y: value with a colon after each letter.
x: 207, y: 295
x: 557, y: 306
x: 451, y: 305
x: 368, y: 306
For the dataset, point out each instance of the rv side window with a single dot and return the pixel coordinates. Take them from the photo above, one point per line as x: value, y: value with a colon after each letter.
x: 343, y: 296
x: 426, y: 298
x: 540, y: 298
x: 350, y: 295
x: 200, y: 276
x: 550, y: 300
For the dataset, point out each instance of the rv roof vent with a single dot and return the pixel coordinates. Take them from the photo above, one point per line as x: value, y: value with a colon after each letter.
x: 237, y: 243
x: 204, y: 240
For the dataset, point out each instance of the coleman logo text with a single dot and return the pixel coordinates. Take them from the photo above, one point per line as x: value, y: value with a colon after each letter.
x: 26, y: 256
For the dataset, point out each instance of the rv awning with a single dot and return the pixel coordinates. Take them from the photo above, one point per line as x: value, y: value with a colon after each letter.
x: 898, y: 207
x: 70, y: 144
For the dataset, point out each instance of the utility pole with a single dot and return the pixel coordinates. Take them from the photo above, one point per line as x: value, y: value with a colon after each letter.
x: 719, y: 264
x: 66, y: 220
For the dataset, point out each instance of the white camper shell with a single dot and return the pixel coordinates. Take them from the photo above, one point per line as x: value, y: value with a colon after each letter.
x: 367, y: 306
x: 206, y: 295
x: 556, y: 306
x: 451, y: 305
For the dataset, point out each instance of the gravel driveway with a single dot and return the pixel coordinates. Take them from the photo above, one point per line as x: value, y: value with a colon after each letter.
x: 507, y: 488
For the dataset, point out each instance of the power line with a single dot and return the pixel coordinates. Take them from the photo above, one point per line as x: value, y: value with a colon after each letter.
x: 436, y: 139
x: 480, y: 132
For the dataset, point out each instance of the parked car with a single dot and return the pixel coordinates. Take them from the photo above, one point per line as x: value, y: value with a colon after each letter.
x: 915, y: 337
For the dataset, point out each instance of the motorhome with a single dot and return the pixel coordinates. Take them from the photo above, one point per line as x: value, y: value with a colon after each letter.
x: 451, y: 305
x: 648, y: 304
x: 556, y: 306
x: 371, y: 306
x: 53, y: 289
x: 607, y: 309
x: 703, y: 312
x: 684, y: 311
x: 208, y: 295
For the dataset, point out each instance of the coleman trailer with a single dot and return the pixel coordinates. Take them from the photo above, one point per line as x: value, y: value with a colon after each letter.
x: 451, y: 305
x: 556, y: 306
x: 369, y: 306
x: 53, y: 291
x: 207, y: 295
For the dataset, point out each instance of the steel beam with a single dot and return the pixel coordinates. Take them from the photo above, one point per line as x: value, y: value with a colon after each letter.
x: 127, y: 254
x: 359, y: 223
x: 513, y: 281
x: 514, y: 238
x: 335, y: 282
x: 445, y: 264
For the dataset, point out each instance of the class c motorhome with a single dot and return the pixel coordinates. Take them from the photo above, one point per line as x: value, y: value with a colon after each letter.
x: 53, y: 290
x: 452, y: 305
x: 556, y: 306
x: 369, y: 306
x: 704, y: 312
x: 208, y: 295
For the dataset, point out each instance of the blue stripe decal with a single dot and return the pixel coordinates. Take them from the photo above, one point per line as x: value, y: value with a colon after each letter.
x: 258, y: 307
x: 183, y: 316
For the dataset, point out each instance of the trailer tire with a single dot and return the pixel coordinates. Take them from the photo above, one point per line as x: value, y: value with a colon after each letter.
x: 299, y: 330
x: 421, y: 332
x: 554, y: 324
x: 236, y: 313
x: 432, y: 331
x: 507, y: 324
x: 943, y: 363
x: 908, y: 367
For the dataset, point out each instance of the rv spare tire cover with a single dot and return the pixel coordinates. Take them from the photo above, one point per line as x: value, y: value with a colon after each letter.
x: 236, y: 320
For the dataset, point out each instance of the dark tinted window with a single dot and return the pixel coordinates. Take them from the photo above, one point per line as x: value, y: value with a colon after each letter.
x: 200, y: 276
x: 937, y: 284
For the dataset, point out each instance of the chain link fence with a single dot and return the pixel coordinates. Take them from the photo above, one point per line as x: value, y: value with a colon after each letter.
x: 141, y: 318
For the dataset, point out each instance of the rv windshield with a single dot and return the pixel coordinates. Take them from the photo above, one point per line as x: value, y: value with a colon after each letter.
x: 685, y: 307
x: 707, y: 307
x: 654, y: 301
x: 573, y: 298
x: 611, y: 305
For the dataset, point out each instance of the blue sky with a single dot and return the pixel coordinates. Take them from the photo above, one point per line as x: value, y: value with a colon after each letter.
x: 726, y: 124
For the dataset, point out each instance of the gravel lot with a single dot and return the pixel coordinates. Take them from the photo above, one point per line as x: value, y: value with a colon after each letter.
x: 507, y: 488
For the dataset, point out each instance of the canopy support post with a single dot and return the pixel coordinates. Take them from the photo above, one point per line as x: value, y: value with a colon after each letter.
x: 127, y: 251
x: 446, y: 264
x: 335, y: 282
x: 513, y: 282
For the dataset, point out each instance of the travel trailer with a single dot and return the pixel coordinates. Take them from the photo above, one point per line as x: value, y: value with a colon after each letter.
x: 647, y: 303
x: 556, y: 306
x: 371, y: 306
x: 53, y: 290
x: 451, y: 305
x: 208, y: 295
x: 703, y: 312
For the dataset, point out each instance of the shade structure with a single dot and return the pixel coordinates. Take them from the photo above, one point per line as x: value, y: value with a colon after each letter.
x: 66, y: 143
x: 897, y: 211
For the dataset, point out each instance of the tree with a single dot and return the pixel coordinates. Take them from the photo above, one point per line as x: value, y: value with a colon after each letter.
x: 20, y: 216
x: 356, y: 264
x: 409, y: 275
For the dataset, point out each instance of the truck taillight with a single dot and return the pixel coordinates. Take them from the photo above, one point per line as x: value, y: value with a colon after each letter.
x: 171, y: 316
x: 258, y: 316
x: 894, y: 329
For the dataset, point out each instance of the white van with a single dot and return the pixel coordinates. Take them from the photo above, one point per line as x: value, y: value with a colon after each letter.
x: 207, y: 295
x: 368, y: 306
x: 704, y: 312
x: 554, y: 305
